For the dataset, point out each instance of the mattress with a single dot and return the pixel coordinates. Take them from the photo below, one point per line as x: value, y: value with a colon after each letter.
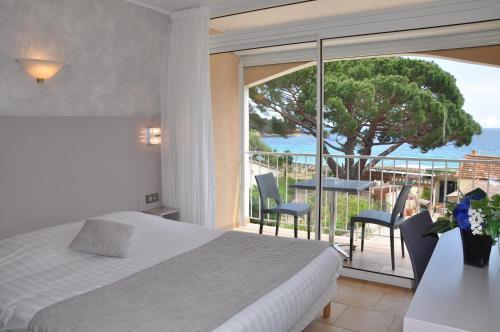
x: 37, y: 270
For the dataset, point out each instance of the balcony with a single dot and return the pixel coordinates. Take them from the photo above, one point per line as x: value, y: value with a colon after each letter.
x: 434, y: 182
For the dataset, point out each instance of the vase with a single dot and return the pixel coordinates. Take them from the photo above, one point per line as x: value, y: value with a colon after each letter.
x: 477, y: 248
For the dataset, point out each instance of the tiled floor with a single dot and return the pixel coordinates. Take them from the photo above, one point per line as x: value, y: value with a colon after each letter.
x: 361, y: 306
x: 376, y: 256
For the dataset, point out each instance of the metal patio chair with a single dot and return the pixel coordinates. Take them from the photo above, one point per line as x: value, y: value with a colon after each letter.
x: 382, y: 218
x: 268, y: 190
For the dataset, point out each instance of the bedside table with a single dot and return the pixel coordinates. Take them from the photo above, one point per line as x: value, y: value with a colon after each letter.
x: 165, y: 212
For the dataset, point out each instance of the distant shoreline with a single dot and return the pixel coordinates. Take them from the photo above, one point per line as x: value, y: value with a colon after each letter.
x: 487, y: 144
x: 277, y: 135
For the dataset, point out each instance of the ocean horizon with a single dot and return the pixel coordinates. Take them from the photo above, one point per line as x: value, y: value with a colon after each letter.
x: 487, y: 144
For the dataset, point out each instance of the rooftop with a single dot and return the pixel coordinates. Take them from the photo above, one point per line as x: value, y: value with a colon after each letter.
x: 480, y: 170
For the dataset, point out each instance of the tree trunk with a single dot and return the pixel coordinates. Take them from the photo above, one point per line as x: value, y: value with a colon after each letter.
x: 386, y: 152
x: 363, y: 165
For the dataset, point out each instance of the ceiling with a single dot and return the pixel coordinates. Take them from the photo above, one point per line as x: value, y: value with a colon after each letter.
x: 166, y: 6
x: 217, y: 7
x: 474, y: 36
x: 276, y: 12
x: 304, y: 11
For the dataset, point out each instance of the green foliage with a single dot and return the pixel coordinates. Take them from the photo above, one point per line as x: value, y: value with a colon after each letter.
x: 259, y: 124
x: 445, y: 223
x: 255, y: 142
x: 272, y: 126
x: 488, y: 207
x: 426, y: 193
x: 368, y: 102
x: 441, y: 225
x: 281, y: 127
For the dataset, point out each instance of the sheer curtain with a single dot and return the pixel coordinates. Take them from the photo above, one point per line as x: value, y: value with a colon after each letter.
x: 187, y: 143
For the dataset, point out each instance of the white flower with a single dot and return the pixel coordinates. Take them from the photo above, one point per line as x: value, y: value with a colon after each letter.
x: 476, y: 220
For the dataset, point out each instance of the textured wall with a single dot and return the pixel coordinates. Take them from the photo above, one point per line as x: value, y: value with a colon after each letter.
x: 73, y: 147
x: 111, y: 49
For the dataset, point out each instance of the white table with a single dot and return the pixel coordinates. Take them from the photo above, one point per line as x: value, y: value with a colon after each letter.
x: 453, y: 296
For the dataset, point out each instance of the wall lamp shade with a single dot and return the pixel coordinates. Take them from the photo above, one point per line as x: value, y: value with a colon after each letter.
x: 153, y: 136
x: 40, y: 70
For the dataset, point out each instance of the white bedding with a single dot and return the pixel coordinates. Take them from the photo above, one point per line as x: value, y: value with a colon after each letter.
x: 37, y: 270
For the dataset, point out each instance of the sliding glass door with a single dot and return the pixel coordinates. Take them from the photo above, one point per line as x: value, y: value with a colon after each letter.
x: 380, y: 111
x: 280, y: 104
x: 398, y: 109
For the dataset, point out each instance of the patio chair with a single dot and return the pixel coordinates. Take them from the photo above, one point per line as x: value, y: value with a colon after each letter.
x: 420, y: 247
x: 382, y: 218
x: 268, y: 190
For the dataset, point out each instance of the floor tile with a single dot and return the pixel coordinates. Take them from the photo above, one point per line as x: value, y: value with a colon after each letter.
x: 336, y: 309
x: 386, y: 289
x: 346, y: 281
x: 402, y: 262
x: 364, y: 265
x: 397, y: 325
x: 320, y: 327
x: 393, y: 304
x: 358, y: 297
x: 386, y: 315
x: 399, y: 271
x: 373, y: 256
x: 363, y: 320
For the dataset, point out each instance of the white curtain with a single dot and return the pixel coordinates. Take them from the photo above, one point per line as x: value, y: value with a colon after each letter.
x: 187, y: 142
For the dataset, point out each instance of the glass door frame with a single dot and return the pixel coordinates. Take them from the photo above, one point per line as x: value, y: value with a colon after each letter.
x: 391, y: 42
x: 442, y: 36
x: 320, y: 70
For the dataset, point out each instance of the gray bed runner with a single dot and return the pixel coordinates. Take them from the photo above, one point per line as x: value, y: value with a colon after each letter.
x: 195, y: 291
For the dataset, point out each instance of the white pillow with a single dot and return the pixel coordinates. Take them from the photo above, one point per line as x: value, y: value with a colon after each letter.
x: 103, y: 237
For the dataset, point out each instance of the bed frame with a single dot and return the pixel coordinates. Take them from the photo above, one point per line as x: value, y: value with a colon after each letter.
x: 327, y: 310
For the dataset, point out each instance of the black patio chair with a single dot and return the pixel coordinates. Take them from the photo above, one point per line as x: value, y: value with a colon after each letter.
x: 382, y: 218
x: 268, y: 190
x: 420, y: 247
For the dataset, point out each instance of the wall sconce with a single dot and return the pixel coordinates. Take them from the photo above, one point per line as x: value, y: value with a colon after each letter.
x: 153, y: 136
x: 39, y: 69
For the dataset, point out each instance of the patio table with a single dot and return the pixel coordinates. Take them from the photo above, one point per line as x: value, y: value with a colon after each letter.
x: 332, y: 186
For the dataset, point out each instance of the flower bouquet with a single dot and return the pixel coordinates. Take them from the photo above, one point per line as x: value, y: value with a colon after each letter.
x: 478, y: 218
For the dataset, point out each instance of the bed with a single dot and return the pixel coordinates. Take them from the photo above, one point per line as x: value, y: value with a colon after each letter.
x: 37, y: 271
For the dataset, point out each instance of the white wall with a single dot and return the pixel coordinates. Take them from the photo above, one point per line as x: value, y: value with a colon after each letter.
x: 111, y: 49
x: 73, y: 147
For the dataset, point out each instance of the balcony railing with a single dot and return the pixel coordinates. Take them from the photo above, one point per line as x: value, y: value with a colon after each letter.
x: 434, y: 182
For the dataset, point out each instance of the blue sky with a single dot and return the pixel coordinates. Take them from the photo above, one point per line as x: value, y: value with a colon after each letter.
x: 480, y: 86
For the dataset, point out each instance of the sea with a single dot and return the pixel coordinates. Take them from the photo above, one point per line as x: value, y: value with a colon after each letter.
x: 488, y: 143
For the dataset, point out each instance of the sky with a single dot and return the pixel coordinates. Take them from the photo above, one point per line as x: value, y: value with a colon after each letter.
x: 480, y: 86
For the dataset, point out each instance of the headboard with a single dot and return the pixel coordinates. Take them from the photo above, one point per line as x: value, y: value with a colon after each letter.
x: 56, y: 170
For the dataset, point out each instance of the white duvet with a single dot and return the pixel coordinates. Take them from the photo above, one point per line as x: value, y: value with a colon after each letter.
x: 37, y: 270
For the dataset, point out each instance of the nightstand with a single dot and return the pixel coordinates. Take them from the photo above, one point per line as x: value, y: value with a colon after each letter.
x: 165, y: 212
